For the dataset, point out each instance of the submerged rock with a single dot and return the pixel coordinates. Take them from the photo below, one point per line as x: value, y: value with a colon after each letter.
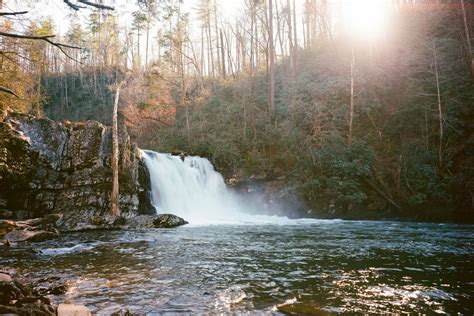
x: 73, y: 310
x: 51, y: 285
x: 302, y: 309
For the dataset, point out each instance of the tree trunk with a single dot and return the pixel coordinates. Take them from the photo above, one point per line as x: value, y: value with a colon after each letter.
x: 147, y: 38
x: 271, y: 99
x: 115, y: 210
x: 222, y: 54
x: 201, y: 64
x: 217, y: 38
x: 231, y: 63
x: 468, y: 39
x: 440, y: 110
x: 307, y: 22
x: 138, y: 65
x: 290, y: 39
x: 209, y: 48
x: 351, y: 110
x: 295, y: 30
x: 252, y: 45
x: 279, y: 31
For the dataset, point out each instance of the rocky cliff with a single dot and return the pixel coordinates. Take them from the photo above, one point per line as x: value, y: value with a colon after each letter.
x: 62, y: 167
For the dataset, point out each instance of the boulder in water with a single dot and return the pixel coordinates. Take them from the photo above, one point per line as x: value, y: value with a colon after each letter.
x: 155, y: 221
x: 5, y: 277
x: 30, y: 235
x: 73, y: 310
x: 168, y: 221
x: 122, y: 312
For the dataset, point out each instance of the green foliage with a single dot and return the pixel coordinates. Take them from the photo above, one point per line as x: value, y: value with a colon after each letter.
x: 395, y: 152
x: 343, y: 167
x: 80, y: 96
x: 424, y: 182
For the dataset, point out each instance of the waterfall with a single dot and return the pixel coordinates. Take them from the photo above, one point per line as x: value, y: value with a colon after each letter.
x: 191, y: 188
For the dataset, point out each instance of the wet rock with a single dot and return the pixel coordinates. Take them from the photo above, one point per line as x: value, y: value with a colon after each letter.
x: 7, y: 226
x: 32, y: 309
x: 21, y: 299
x: 5, y: 214
x: 47, y: 223
x: 5, y: 277
x: 73, y: 310
x: 142, y: 221
x: 168, y: 221
x: 51, y: 285
x: 122, y: 312
x: 11, y: 291
x: 156, y: 221
x: 30, y: 235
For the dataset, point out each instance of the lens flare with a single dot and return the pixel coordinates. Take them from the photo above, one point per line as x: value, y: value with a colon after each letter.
x: 366, y: 19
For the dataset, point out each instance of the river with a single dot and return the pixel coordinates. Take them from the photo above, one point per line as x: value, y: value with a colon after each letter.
x: 289, y: 266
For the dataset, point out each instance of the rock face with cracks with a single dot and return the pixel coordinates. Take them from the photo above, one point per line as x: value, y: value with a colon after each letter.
x: 49, y: 167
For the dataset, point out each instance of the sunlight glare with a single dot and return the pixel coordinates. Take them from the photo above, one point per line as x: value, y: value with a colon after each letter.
x: 366, y: 19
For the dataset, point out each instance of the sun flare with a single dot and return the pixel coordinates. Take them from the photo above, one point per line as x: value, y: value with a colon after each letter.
x: 366, y: 19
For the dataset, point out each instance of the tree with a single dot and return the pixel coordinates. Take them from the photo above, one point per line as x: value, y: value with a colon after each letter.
x: 470, y: 59
x: 48, y: 38
x: 440, y: 110
x: 271, y: 53
x: 351, y: 107
x: 115, y: 209
x: 138, y: 24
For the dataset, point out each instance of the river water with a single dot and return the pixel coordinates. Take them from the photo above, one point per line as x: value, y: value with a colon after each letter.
x: 298, y: 266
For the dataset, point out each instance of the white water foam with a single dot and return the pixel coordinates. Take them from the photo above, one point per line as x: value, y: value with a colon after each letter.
x: 67, y: 250
x: 192, y: 189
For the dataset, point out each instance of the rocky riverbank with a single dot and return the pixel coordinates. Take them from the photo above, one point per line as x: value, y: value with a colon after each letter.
x: 21, y: 296
x: 41, y: 229
x: 49, y: 167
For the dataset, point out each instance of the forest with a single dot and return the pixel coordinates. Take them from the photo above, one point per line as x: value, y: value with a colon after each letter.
x: 283, y: 89
x: 217, y: 157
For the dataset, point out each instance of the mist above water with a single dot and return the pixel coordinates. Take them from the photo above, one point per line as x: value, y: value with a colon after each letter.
x: 192, y: 189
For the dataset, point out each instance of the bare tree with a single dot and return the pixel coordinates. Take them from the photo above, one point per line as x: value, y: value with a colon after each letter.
x: 351, y: 109
x: 468, y: 40
x: 115, y: 210
x: 440, y: 110
x: 271, y: 53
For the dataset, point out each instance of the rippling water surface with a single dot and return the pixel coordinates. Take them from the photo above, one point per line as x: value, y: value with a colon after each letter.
x: 299, y: 267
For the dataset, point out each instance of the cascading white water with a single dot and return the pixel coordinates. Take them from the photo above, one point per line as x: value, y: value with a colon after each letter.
x: 192, y: 189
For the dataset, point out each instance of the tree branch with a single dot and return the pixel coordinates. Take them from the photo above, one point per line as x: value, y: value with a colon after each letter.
x: 73, y: 6
x: 77, y: 7
x: 13, y: 13
x: 46, y: 38
x: 6, y: 90
x: 96, y: 5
